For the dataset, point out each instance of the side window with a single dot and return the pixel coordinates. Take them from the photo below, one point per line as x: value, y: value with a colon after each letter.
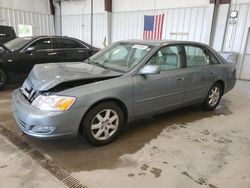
x: 66, y: 43
x: 167, y: 57
x: 42, y: 44
x: 196, y: 56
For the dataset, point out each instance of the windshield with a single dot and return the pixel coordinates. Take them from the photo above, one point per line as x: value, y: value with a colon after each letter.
x: 121, y: 57
x: 17, y: 43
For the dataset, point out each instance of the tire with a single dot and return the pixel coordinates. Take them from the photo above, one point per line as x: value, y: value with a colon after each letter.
x: 3, y: 79
x: 97, y: 128
x: 213, y: 97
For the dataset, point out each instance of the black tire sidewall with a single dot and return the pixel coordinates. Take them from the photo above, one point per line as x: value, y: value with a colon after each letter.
x: 206, y: 105
x: 2, y: 73
x: 87, y: 120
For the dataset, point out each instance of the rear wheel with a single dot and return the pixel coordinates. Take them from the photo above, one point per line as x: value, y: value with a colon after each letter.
x: 3, y: 79
x: 213, y: 97
x: 102, y: 123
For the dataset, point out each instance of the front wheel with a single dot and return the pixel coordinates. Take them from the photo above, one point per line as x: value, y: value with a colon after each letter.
x: 102, y: 123
x: 3, y: 79
x: 213, y: 98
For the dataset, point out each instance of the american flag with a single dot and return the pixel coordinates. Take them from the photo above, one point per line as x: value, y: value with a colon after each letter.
x: 153, y: 26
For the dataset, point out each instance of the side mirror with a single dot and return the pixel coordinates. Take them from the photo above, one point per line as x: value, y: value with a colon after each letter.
x: 2, y: 49
x: 150, y: 69
x: 30, y: 49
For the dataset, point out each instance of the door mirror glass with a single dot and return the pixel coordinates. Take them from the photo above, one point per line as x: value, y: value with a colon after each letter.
x: 30, y: 49
x: 150, y: 69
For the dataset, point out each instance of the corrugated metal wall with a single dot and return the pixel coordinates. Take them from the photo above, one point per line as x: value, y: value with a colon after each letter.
x: 179, y: 24
x: 78, y: 26
x: 236, y: 35
x: 42, y: 24
x: 234, y: 39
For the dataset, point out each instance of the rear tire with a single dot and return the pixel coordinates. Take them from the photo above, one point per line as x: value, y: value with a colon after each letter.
x: 102, y: 123
x: 3, y: 79
x: 213, y: 97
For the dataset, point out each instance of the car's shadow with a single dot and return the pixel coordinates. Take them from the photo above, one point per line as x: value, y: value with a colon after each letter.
x: 77, y: 155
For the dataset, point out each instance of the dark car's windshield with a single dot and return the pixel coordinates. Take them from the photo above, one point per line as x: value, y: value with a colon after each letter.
x: 121, y: 56
x: 17, y: 43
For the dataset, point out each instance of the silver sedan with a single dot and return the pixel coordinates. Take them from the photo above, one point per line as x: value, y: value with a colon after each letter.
x: 125, y: 81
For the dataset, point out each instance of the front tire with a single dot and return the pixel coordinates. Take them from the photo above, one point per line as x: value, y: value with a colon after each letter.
x: 102, y: 123
x: 213, y: 97
x: 3, y: 79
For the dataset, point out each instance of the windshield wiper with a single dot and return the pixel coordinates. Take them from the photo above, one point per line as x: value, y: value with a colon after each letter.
x: 101, y: 65
x: 98, y: 64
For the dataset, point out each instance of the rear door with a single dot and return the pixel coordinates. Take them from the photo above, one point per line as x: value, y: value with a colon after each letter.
x: 199, y: 73
x: 158, y: 92
x: 69, y: 50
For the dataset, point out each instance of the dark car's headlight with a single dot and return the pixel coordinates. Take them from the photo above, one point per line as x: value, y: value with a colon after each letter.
x: 53, y: 102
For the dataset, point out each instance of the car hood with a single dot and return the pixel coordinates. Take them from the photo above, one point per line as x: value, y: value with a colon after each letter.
x: 46, y: 76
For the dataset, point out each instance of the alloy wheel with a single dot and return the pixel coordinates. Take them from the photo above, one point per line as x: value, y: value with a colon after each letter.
x: 214, y: 96
x: 104, y: 124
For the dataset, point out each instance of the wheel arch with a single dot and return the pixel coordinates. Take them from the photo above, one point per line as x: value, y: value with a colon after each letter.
x: 120, y: 103
x: 222, y: 83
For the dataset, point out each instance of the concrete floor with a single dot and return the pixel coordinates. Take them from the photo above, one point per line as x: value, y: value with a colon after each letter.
x: 19, y: 170
x: 183, y: 148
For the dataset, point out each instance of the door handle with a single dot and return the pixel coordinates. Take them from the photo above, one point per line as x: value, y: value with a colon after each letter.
x: 180, y: 79
x: 80, y: 51
x: 53, y: 53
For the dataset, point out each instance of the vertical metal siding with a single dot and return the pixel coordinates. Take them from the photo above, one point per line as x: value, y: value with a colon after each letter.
x: 179, y: 24
x: 235, y: 31
x: 78, y: 26
x: 42, y: 24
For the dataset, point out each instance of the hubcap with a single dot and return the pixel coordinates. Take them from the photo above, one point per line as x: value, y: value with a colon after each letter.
x: 214, y: 96
x: 104, y: 124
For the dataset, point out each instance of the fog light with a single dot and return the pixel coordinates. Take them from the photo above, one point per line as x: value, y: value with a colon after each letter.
x: 42, y: 129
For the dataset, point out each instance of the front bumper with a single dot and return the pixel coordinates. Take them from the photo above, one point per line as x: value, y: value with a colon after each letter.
x: 65, y: 123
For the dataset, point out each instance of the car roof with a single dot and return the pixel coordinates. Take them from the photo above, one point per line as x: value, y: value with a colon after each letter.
x: 160, y: 42
x: 51, y: 36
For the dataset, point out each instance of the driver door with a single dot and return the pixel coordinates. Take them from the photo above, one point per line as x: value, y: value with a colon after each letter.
x: 155, y: 93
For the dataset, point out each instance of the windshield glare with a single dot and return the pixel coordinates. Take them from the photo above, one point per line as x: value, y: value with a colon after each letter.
x: 121, y: 56
x: 17, y: 43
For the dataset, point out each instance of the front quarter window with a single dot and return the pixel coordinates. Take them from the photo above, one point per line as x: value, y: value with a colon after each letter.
x: 121, y: 56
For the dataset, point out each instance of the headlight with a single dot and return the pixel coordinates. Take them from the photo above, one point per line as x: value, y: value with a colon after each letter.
x: 53, y: 102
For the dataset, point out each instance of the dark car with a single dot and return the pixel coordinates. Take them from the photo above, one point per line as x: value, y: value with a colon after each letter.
x: 18, y: 56
x: 7, y: 33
